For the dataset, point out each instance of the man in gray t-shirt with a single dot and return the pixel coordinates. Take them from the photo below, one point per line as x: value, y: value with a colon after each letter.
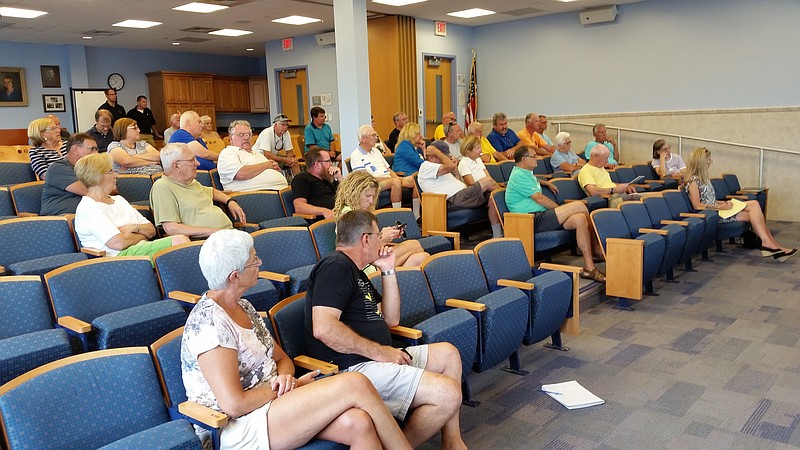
x: 62, y: 191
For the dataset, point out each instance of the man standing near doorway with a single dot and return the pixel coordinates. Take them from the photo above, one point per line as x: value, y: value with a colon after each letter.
x: 145, y: 120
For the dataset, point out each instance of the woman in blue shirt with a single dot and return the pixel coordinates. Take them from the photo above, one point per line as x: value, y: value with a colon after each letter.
x: 408, y: 155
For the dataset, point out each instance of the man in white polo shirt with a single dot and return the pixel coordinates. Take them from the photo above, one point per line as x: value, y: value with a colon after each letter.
x: 367, y: 157
x: 242, y: 169
x: 275, y: 143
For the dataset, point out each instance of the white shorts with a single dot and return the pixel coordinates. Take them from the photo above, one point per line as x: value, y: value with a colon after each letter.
x: 246, y: 432
x: 396, y: 383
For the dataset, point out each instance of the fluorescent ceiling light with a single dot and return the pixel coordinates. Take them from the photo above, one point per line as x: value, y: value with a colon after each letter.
x: 249, y: 49
x: 197, y: 7
x: 397, y: 2
x: 470, y: 13
x: 132, y: 23
x: 87, y: 37
x: 230, y: 32
x: 176, y: 43
x: 296, y: 20
x: 21, y: 13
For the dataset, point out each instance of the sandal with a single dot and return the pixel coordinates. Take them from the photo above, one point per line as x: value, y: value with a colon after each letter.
x: 594, y: 275
x: 766, y: 252
x: 783, y: 256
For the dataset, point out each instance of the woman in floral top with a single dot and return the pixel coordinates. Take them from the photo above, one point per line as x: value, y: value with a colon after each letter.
x: 701, y: 192
x: 231, y: 364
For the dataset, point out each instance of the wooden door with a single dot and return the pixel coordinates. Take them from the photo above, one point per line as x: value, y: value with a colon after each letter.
x: 438, y: 95
x: 293, y: 85
x: 176, y: 89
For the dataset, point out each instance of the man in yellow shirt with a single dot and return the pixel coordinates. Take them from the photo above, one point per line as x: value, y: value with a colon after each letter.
x: 488, y: 153
x: 530, y: 136
x: 594, y: 179
x: 448, y: 117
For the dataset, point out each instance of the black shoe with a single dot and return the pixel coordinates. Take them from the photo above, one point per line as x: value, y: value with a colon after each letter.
x: 783, y: 256
x: 766, y: 252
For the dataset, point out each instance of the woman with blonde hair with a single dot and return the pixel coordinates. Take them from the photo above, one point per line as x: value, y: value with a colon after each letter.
x: 359, y: 191
x: 701, y: 192
x: 108, y: 222
x: 409, y: 155
x: 48, y: 147
x: 130, y: 154
x: 471, y: 167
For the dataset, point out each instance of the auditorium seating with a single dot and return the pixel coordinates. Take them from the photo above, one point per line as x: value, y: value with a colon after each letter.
x: 16, y: 172
x: 761, y: 193
x: 109, y: 399
x: 436, y: 216
x: 264, y: 209
x: 435, y: 242
x: 288, y: 255
x: 36, y: 245
x: 135, y: 188
x: 681, y: 209
x: 112, y: 302
x: 456, y: 280
x: 569, y: 190
x: 631, y: 263
x: 639, y: 222
x: 323, y: 233
x: 27, y: 198
x: 660, y: 214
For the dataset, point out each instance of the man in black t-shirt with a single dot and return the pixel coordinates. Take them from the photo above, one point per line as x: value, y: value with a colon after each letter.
x: 343, y: 325
x: 314, y: 190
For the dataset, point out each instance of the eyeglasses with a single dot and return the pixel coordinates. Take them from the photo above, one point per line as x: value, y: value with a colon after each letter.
x: 326, y: 161
x: 256, y: 263
x: 185, y: 160
x: 133, y: 127
x: 243, y: 135
x: 93, y: 148
x: 379, y: 234
x: 54, y: 128
x: 529, y: 156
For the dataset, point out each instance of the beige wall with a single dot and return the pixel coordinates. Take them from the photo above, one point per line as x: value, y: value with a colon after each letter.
x: 771, y: 127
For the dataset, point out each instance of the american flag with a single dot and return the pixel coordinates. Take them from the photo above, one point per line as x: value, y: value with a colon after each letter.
x: 472, y: 101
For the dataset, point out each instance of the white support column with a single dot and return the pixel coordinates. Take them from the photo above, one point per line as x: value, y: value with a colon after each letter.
x: 352, y: 68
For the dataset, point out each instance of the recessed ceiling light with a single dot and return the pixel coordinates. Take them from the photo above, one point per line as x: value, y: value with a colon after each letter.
x: 176, y: 43
x: 230, y: 32
x: 470, y: 13
x: 249, y: 49
x: 87, y: 37
x: 397, y: 2
x: 197, y: 7
x: 21, y: 13
x: 132, y: 23
x: 296, y: 20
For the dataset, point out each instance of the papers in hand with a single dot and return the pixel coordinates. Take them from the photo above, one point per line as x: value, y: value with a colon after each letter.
x: 737, y: 207
x: 572, y: 395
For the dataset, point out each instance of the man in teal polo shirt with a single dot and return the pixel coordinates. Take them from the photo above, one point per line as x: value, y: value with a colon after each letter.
x: 524, y: 195
x: 318, y: 134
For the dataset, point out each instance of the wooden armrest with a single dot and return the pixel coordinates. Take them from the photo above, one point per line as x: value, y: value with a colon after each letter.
x: 2, y: 270
x: 751, y: 190
x: 185, y: 297
x: 27, y: 214
x: 93, y: 251
x: 572, y: 200
x: 524, y: 285
x: 697, y: 215
x: 305, y: 216
x: 309, y: 363
x: 469, y: 306
x: 274, y: 276
x: 204, y: 414
x: 682, y: 223
x: 262, y: 314
x: 740, y: 197
x: 653, y: 230
x: 561, y: 267
x: 454, y: 235
x: 406, y: 332
x: 74, y: 324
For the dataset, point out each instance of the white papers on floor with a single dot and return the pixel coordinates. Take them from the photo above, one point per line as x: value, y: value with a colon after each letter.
x: 572, y: 395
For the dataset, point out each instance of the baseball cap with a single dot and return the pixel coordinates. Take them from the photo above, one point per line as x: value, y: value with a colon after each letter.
x: 442, y: 146
x: 281, y: 118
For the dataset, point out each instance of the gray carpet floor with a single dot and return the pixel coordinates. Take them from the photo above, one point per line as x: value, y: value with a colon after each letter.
x: 712, y: 362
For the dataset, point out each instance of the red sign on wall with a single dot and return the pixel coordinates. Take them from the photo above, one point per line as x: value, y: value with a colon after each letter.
x: 287, y: 44
x: 440, y: 28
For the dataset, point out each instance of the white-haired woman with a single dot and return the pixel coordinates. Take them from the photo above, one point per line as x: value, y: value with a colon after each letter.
x: 108, y: 222
x: 564, y: 158
x: 231, y: 364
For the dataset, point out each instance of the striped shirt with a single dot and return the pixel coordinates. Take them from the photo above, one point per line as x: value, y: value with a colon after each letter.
x: 41, y: 158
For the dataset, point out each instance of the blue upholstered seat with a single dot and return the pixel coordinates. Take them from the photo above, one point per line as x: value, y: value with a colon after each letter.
x: 178, y: 269
x: 659, y: 213
x: 681, y: 209
x: 36, y: 245
x: 16, y: 172
x: 119, y: 297
x: 106, y: 398
x: 432, y: 244
x: 323, y: 233
x: 637, y: 218
x: 458, y: 275
x: 135, y: 188
x: 264, y: 209
x: 551, y: 296
x: 734, y: 187
x: 286, y: 251
x: 570, y: 189
x: 27, y: 337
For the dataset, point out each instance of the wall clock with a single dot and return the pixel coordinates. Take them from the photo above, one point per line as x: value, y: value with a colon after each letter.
x: 116, y: 81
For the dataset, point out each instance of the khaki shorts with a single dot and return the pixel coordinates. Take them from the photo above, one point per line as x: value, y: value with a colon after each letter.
x: 468, y: 198
x: 397, y: 384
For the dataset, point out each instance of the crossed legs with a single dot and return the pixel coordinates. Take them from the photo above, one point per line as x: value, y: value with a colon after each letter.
x: 752, y: 213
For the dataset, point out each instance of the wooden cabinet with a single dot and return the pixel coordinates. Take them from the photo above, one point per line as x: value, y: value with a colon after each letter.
x: 177, y: 92
x: 231, y: 94
x: 259, y: 95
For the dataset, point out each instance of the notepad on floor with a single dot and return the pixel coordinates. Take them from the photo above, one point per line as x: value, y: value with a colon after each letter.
x: 572, y: 395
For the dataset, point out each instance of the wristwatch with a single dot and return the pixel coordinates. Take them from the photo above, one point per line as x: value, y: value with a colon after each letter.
x: 387, y: 273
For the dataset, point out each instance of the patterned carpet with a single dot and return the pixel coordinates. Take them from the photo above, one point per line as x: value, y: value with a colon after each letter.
x: 712, y: 362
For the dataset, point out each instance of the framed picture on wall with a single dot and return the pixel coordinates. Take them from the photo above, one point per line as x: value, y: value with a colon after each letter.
x: 54, y: 103
x: 14, y: 91
x: 51, y: 76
